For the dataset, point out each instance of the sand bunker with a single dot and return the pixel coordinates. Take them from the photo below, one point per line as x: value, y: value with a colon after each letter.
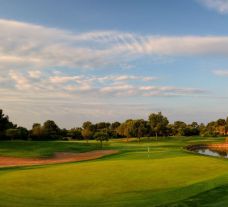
x: 59, y: 157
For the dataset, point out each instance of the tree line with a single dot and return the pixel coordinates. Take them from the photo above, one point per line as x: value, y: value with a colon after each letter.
x: 157, y: 125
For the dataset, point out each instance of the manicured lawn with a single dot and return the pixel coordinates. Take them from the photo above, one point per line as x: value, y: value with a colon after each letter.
x: 170, y: 176
x: 43, y: 149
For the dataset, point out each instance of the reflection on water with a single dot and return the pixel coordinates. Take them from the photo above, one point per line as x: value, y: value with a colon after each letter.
x: 212, y: 152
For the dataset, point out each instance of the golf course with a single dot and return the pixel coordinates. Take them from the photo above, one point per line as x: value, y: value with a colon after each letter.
x: 147, y: 173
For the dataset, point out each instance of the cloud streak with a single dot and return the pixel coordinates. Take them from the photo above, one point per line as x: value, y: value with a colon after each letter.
x: 44, y: 67
x: 27, y: 46
x: 27, y: 50
x: 220, y: 72
x: 221, y: 6
x: 93, y: 86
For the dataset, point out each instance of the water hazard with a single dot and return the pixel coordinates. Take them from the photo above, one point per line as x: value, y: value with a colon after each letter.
x: 210, y: 150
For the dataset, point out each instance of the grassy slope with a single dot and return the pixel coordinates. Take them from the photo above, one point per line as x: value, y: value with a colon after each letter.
x: 42, y: 149
x: 169, y: 177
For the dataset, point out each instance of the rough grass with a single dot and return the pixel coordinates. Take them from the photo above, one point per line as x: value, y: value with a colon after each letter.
x: 170, y: 176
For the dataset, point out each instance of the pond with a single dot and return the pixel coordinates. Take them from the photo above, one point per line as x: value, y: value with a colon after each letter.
x: 210, y: 150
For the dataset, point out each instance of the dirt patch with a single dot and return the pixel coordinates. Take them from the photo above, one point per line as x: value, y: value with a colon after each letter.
x: 59, y: 157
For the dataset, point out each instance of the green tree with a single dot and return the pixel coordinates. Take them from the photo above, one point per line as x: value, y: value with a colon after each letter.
x: 226, y: 126
x: 137, y: 128
x: 202, y: 129
x: 194, y: 129
x: 115, y: 125
x: 23, y: 133
x: 13, y: 133
x: 87, y: 134
x: 75, y: 133
x: 133, y: 128
x: 159, y: 124
x: 178, y: 128
x: 221, y: 126
x: 37, y: 131
x: 126, y: 129
x: 63, y: 132
x: 88, y: 130
x: 51, y: 130
x: 105, y: 126
x: 211, y: 129
x: 4, y: 124
x: 113, y: 132
x: 87, y: 124
x: 101, y: 136
x: 141, y: 128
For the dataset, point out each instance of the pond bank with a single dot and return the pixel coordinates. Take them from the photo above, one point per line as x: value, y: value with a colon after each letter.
x: 215, y: 150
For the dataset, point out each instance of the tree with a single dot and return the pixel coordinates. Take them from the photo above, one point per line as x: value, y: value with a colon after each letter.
x: 20, y: 133
x: 37, y: 131
x: 63, y: 132
x: 51, y: 130
x: 129, y: 129
x: 105, y: 126
x: 87, y: 134
x: 202, y: 129
x: 211, y: 129
x: 178, y: 128
x: 133, y: 128
x: 115, y: 125
x: 141, y: 128
x: 221, y: 126
x: 101, y: 136
x: 88, y: 130
x: 86, y: 124
x: 159, y: 124
x: 226, y: 126
x: 13, y: 133
x: 4, y: 124
x: 23, y: 133
x: 194, y: 129
x: 113, y: 132
x: 120, y: 129
x: 137, y: 128
x: 75, y: 133
x: 126, y: 129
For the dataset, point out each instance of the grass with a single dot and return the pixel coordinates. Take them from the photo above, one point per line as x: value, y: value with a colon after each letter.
x: 42, y: 149
x: 170, y: 176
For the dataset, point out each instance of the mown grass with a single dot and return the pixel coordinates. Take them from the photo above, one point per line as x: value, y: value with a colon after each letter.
x: 43, y: 149
x: 170, y: 176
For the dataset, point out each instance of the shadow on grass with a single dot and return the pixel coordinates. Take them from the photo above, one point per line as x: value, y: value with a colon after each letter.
x: 213, y: 197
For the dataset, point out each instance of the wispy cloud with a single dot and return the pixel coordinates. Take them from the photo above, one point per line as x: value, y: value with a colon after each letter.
x: 99, y: 86
x: 221, y: 72
x: 171, y: 91
x: 34, y: 73
x: 39, y: 67
x: 220, y: 6
x: 27, y: 50
x: 29, y: 46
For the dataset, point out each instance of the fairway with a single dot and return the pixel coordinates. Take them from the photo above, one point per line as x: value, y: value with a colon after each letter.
x: 130, y: 178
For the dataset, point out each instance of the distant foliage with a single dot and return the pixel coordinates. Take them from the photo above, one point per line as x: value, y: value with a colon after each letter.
x: 157, y: 125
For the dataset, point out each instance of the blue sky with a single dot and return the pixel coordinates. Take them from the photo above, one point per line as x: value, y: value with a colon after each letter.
x: 101, y: 60
x: 176, y: 17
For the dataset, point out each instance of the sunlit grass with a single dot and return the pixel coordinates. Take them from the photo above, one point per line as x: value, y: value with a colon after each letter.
x: 168, y: 176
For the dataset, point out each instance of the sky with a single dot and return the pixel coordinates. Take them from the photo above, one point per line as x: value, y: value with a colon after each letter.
x: 112, y: 60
